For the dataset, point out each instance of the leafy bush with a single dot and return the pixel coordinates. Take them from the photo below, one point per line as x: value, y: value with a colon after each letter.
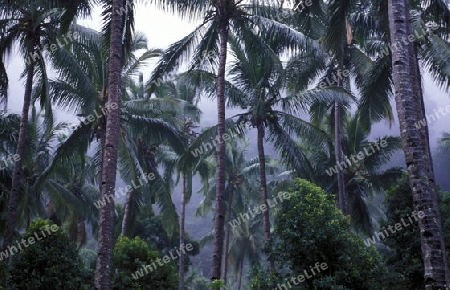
x: 404, y: 257
x: 309, y: 229
x: 51, y: 262
x: 130, y: 256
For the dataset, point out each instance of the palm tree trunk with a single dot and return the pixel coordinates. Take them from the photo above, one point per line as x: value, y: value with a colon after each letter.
x: 101, y: 134
x: 241, y: 270
x: 220, y: 184
x: 183, y: 218
x: 127, y: 214
x: 106, y: 223
x: 227, y: 236
x: 263, y: 181
x: 342, y: 195
x: 406, y: 82
x: 425, y: 139
x: 20, y: 151
x: 81, y: 232
x: 343, y: 198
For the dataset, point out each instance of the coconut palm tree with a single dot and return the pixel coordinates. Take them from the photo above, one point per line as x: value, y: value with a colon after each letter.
x: 35, y: 29
x: 182, y: 90
x: 206, y: 47
x: 83, y: 89
x: 241, y: 194
x: 408, y: 100
x: 219, y: 17
x: 334, y: 61
x: 70, y: 10
x: 364, y: 178
x: 66, y: 196
x: 257, y: 78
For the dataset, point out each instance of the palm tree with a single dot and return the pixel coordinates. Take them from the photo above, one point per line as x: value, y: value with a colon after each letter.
x: 220, y: 17
x: 257, y: 79
x: 66, y: 196
x: 188, y: 93
x: 338, y: 38
x: 34, y: 27
x: 241, y: 195
x: 70, y: 11
x: 207, y: 45
x: 110, y: 152
x: 245, y: 248
x: 364, y: 178
x: 335, y: 63
x: 409, y: 110
x: 83, y: 89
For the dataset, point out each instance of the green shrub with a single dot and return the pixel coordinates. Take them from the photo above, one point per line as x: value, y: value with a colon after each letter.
x: 130, y: 256
x: 309, y: 229
x: 51, y: 262
x: 403, y: 255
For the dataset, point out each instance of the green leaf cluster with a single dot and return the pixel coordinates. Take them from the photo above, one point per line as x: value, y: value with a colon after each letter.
x: 131, y: 255
x: 403, y: 249
x: 310, y: 229
x: 51, y: 262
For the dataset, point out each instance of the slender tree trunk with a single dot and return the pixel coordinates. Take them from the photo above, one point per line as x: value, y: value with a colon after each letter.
x: 101, y: 136
x: 220, y: 184
x: 342, y: 195
x: 343, y: 198
x: 407, y: 94
x: 227, y: 236
x: 183, y: 218
x: 14, y: 195
x: 241, y: 269
x: 263, y: 184
x: 106, y: 223
x: 127, y: 214
x: 81, y: 232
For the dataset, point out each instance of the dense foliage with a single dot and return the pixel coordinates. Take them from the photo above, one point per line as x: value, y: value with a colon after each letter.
x: 311, y: 230
x: 130, y: 257
x: 52, y: 261
x: 291, y: 174
x: 403, y: 257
